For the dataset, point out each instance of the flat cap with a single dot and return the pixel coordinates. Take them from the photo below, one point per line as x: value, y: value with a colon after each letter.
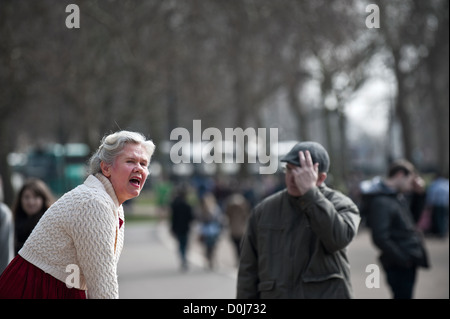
x: 318, y: 154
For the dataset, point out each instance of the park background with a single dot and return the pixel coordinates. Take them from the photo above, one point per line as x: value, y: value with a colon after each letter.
x: 313, y: 69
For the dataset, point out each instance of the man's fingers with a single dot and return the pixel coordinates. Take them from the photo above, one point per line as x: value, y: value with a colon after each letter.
x: 305, y: 159
x: 316, y: 167
x: 302, y: 158
x: 308, y: 158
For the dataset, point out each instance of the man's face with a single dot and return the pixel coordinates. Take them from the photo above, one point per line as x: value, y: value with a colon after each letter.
x: 289, y: 179
x: 405, y: 184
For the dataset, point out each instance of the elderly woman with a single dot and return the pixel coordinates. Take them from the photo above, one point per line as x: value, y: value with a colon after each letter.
x: 74, y: 249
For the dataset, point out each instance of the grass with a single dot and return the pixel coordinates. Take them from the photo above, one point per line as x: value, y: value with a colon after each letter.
x: 140, y: 218
x: 144, y: 208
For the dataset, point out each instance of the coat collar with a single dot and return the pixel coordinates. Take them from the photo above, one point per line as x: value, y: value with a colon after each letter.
x: 100, y: 179
x: 108, y: 187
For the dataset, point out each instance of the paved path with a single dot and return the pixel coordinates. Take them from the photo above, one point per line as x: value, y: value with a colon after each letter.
x: 149, y: 268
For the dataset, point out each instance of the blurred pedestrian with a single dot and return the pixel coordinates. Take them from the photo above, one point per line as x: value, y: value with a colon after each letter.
x: 437, y: 202
x: 211, y: 223
x: 33, y: 200
x: 77, y: 243
x: 6, y: 236
x: 163, y: 191
x: 6, y: 233
x: 181, y: 219
x: 237, y: 211
x: 296, y: 239
x: 393, y: 228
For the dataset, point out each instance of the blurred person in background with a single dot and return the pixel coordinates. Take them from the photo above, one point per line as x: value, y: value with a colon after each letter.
x: 33, y: 200
x: 74, y: 249
x: 237, y: 211
x: 6, y: 233
x: 181, y: 219
x: 211, y: 223
x: 393, y: 228
x: 437, y: 198
x: 295, y: 245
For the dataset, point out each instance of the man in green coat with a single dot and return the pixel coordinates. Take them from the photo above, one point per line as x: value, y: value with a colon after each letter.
x: 295, y: 242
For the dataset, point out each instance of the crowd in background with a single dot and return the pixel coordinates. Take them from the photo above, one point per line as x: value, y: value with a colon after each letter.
x: 214, y: 204
x: 225, y: 202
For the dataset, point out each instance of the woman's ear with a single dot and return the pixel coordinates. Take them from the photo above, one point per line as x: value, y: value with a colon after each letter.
x: 106, y: 169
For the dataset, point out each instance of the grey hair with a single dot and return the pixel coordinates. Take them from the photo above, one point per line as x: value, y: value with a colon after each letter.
x: 111, y: 146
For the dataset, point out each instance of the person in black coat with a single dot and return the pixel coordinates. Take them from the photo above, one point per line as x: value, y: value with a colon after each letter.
x: 393, y: 228
x: 182, y: 216
x: 33, y: 200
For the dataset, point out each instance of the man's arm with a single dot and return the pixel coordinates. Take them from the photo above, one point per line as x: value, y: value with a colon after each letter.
x: 247, y: 282
x: 334, y: 218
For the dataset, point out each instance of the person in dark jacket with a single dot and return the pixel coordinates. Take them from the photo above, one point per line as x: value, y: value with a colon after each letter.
x: 181, y: 218
x: 393, y: 228
x: 295, y: 242
x: 33, y: 200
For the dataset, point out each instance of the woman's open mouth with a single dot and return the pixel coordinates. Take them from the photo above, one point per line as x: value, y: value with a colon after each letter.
x: 136, y: 181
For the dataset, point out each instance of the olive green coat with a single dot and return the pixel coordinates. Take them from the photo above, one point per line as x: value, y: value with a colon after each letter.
x: 296, y: 247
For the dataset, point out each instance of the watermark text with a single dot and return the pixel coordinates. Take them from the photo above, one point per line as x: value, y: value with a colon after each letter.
x: 373, y: 279
x: 73, y: 19
x: 373, y: 19
x: 216, y: 148
x: 73, y: 279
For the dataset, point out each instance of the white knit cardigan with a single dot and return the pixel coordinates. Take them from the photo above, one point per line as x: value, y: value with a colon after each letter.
x: 81, y: 230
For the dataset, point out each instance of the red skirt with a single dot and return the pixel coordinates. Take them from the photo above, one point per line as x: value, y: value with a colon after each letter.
x: 23, y: 280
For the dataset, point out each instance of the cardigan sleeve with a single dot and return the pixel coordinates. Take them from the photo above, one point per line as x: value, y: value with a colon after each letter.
x: 94, y: 240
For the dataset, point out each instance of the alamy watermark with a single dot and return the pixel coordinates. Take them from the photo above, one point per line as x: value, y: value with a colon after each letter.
x: 73, y: 279
x: 373, y: 19
x: 217, y: 148
x: 73, y: 19
x: 373, y: 279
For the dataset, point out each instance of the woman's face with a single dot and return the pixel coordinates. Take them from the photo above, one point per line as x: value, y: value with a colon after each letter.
x: 31, y: 202
x: 128, y: 171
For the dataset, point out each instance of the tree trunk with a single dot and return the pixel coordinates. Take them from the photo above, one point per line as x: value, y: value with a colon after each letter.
x: 401, y: 111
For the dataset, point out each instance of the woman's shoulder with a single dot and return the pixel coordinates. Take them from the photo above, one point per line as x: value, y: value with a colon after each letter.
x: 84, y: 208
x: 87, y: 195
x: 81, y: 193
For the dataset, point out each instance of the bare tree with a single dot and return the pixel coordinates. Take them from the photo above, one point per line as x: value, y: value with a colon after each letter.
x: 416, y: 35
